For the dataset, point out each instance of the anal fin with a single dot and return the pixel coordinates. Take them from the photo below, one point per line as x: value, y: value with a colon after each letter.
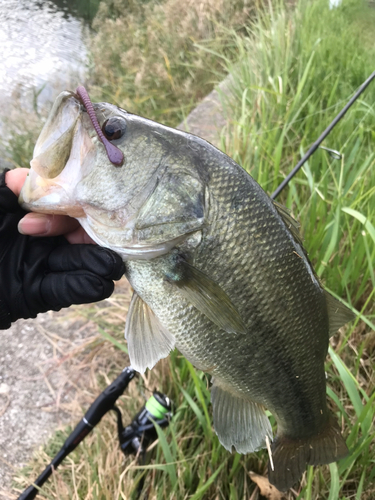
x: 239, y: 422
x: 148, y: 340
x: 290, y: 456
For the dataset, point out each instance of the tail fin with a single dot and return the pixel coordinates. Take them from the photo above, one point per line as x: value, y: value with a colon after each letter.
x: 290, y: 456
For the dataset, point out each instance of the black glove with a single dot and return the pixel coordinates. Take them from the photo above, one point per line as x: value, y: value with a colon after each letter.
x: 40, y: 274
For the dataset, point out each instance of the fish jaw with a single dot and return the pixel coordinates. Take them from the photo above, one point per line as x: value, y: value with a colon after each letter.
x: 131, y: 250
x: 54, y: 174
x: 48, y: 197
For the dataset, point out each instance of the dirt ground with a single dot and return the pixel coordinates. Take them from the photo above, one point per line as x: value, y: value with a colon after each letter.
x: 35, y: 380
x: 34, y: 385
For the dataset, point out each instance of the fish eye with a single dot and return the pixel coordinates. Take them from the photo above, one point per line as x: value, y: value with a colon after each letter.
x: 114, y: 128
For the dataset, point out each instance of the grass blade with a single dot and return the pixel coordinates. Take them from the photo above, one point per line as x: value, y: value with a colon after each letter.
x: 364, y: 220
x: 122, y: 346
x: 349, y: 382
x: 335, y: 482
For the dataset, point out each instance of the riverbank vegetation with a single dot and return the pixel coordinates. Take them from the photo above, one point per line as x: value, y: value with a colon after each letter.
x: 293, y: 69
x: 159, y: 58
x: 153, y: 58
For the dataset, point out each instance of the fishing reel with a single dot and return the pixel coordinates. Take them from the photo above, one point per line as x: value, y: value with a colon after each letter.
x: 134, y: 438
x: 137, y: 437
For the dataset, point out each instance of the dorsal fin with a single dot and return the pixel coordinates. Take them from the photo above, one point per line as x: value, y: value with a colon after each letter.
x: 290, y: 222
x: 338, y: 314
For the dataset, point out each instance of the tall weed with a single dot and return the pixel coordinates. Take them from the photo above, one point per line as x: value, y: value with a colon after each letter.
x: 297, y: 69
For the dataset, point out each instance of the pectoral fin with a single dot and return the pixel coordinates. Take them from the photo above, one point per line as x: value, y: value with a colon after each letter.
x: 148, y: 340
x: 239, y: 422
x: 206, y: 295
x: 338, y: 314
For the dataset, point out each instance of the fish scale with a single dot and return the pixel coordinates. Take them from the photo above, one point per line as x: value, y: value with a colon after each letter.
x: 218, y: 271
x: 249, y: 215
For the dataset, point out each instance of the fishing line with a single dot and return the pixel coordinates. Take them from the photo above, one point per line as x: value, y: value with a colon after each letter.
x: 321, y: 138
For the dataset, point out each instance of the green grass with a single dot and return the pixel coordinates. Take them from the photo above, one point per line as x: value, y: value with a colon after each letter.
x: 292, y: 80
x: 295, y: 71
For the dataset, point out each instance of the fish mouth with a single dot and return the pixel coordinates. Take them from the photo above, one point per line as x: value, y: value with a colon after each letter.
x: 61, y: 156
x: 43, y: 196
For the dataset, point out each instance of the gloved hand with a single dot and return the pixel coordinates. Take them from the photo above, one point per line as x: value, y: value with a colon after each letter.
x: 40, y: 274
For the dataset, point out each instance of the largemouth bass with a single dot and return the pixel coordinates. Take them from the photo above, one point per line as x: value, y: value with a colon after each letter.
x: 218, y: 271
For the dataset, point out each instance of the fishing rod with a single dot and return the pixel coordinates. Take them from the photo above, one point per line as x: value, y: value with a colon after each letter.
x: 134, y: 438
x: 317, y: 143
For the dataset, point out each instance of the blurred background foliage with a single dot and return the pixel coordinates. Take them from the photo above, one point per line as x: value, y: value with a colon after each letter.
x: 159, y: 58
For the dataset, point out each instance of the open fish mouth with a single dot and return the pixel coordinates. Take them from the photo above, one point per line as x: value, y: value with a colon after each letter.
x: 63, y: 149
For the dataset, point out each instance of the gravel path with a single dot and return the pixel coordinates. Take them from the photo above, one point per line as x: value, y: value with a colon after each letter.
x: 34, y: 385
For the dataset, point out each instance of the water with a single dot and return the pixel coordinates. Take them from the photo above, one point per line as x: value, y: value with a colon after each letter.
x: 42, y: 52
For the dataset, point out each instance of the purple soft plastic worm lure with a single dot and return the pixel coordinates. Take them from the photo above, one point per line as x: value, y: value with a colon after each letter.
x: 115, y: 155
